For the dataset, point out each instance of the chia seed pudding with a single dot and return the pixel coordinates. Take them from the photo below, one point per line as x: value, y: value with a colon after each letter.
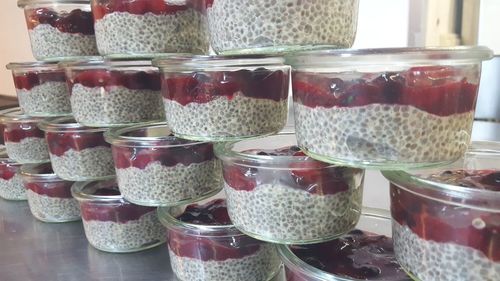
x: 224, y: 98
x: 114, y: 93
x: 357, y: 112
x: 113, y: 224
x: 49, y: 197
x: 148, y: 27
x: 24, y: 141
x: 205, y: 246
x: 154, y: 168
x: 78, y: 153
x: 280, y: 195
x: 59, y: 30
x: 261, y: 26
x: 365, y: 253
x: 41, y: 88
x: 11, y: 184
x: 445, y: 221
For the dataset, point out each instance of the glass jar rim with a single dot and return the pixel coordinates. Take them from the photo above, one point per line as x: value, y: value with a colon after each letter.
x: 389, y: 56
x: 30, y: 171
x: 79, y: 193
x: 39, y: 65
x: 291, y: 260
x: 225, y: 152
x: 216, y: 61
x: 61, y: 124
x: 117, y: 137
x: 409, y: 181
x: 100, y: 63
x: 18, y: 116
x: 23, y: 3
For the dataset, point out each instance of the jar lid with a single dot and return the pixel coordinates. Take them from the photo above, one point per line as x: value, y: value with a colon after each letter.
x: 39, y: 172
x: 482, y: 155
x: 389, y: 56
x: 17, y: 116
x: 23, y: 3
x: 85, y: 191
x: 10, y: 110
x: 28, y: 65
x: 146, y: 135
x: 218, y: 62
x: 66, y: 124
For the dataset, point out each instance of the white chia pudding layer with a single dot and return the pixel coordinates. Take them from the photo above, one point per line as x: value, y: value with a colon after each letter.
x: 28, y: 150
x: 47, y: 99
x: 282, y: 214
x: 92, y: 106
x: 380, y: 132
x: 430, y: 260
x: 264, y: 23
x: 124, y: 33
x: 48, y: 42
x: 157, y: 185
x: 259, y: 266
x: 53, y: 209
x: 13, y: 188
x: 86, y: 164
x: 130, y: 236
x: 240, y: 116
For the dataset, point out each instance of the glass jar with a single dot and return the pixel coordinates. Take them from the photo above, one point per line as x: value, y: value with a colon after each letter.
x: 41, y: 88
x: 49, y: 197
x: 113, y: 224
x: 154, y: 168
x: 59, y: 29
x: 366, y: 253
x: 277, y: 194
x: 77, y: 153
x: 114, y: 93
x: 145, y: 28
x: 2, y: 125
x: 215, y: 252
x: 210, y: 98
x: 11, y: 184
x: 24, y: 141
x: 386, y: 108
x: 262, y: 26
x: 446, y: 221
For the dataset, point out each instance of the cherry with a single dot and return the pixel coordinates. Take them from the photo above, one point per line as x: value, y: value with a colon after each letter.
x: 211, y: 213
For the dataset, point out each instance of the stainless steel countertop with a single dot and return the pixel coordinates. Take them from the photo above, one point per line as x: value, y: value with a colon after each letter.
x: 33, y: 250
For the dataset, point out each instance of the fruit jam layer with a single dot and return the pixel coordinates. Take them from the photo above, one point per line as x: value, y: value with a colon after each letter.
x: 19, y: 131
x: 447, y: 223
x: 59, y: 143
x: 360, y: 255
x: 28, y: 80
x: 203, y: 87
x: 57, y: 189
x: 207, y: 248
x: 136, y: 7
x: 8, y: 169
x: 76, y: 21
x: 137, y: 157
x: 136, y: 80
x: 112, y: 211
x: 436, y: 90
x: 309, y: 175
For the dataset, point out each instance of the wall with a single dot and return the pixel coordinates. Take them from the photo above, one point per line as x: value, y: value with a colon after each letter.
x: 489, y: 23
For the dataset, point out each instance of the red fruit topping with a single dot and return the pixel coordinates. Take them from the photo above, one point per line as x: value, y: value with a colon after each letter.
x: 76, y: 21
x: 59, y: 143
x: 107, y: 191
x: 15, y: 132
x: 28, y: 80
x: 477, y: 179
x: 102, y: 78
x: 136, y: 7
x: 7, y: 169
x: 119, y: 213
x: 57, y: 189
x: 211, y: 213
x: 239, y: 177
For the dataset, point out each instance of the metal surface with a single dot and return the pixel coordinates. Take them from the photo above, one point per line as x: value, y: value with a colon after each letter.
x: 33, y: 250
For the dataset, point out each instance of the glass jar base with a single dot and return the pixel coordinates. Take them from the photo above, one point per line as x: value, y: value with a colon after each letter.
x: 124, y: 251
x: 171, y: 204
x: 107, y: 125
x: 133, y: 55
x: 77, y: 178
x: 45, y: 114
x: 52, y: 220
x: 222, y: 138
x: 279, y: 49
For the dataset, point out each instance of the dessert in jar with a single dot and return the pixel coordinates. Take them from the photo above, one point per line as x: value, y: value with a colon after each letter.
x: 223, y: 98
x: 61, y: 29
x: 155, y: 168
x: 386, y: 108
x: 114, y: 93
x: 446, y: 221
x: 261, y: 26
x: 365, y: 253
x: 41, y: 88
x: 49, y: 197
x: 11, y: 184
x: 278, y: 194
x: 2, y: 125
x: 24, y: 141
x: 111, y: 223
x: 148, y: 27
x: 77, y: 153
x: 205, y: 246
